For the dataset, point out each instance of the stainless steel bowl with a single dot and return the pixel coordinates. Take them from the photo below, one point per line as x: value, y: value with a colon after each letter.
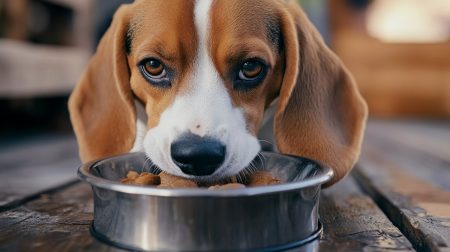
x: 265, y: 218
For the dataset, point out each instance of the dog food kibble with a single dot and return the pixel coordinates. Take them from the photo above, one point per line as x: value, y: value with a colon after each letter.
x: 227, y: 186
x: 261, y: 178
x: 171, y: 181
x: 166, y: 180
x: 145, y: 178
x: 132, y: 175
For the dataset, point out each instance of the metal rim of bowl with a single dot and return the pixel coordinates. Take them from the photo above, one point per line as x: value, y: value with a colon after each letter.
x: 85, y: 175
x: 282, y: 247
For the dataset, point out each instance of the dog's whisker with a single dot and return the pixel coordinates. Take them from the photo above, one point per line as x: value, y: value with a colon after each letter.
x: 266, y: 141
x: 155, y: 169
x: 252, y: 166
x: 244, y: 176
x: 249, y: 171
x: 239, y: 178
x: 253, y: 169
x: 150, y: 167
x: 263, y: 160
x: 148, y: 164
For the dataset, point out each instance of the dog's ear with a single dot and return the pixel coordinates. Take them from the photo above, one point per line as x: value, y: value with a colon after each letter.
x: 321, y: 114
x: 101, y: 106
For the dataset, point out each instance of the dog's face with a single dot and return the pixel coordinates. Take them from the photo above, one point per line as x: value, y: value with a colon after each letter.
x: 200, y: 75
x: 206, y: 70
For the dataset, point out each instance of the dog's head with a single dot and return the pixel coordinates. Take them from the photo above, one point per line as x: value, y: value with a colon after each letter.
x: 206, y: 71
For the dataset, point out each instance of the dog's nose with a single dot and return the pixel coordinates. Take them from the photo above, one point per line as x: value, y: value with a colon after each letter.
x: 196, y: 155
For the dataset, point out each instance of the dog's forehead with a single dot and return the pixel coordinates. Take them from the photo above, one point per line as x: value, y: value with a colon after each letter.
x: 243, y: 18
x: 153, y: 14
x: 167, y: 21
x: 174, y: 19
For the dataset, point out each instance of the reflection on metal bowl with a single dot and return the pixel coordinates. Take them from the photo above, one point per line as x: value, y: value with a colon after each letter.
x: 266, y: 218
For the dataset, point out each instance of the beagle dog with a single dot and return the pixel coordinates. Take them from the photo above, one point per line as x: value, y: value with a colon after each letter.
x: 188, y: 82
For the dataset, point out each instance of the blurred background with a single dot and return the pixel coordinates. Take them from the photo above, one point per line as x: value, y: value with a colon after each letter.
x: 44, y: 47
x: 398, y: 51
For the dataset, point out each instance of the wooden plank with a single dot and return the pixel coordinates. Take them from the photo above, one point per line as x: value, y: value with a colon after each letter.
x: 36, y: 166
x: 418, y: 148
x: 54, y: 222
x: 60, y: 222
x: 420, y: 209
x: 353, y: 222
x: 50, y: 70
x: 405, y: 167
x: 429, y: 137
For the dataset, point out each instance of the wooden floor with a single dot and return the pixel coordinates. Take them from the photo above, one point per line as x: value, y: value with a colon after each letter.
x: 396, y: 199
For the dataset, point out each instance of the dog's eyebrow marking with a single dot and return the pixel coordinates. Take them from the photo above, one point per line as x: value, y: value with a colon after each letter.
x: 129, y: 39
x: 166, y: 55
x: 274, y: 34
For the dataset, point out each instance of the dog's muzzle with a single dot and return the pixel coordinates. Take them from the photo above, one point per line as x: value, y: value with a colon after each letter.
x: 196, y: 155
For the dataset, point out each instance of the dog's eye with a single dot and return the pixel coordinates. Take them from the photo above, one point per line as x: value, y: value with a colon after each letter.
x: 251, y: 70
x: 155, y: 72
x: 251, y: 74
x: 154, y: 68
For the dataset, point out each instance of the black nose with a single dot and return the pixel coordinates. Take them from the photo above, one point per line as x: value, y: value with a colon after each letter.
x: 196, y: 155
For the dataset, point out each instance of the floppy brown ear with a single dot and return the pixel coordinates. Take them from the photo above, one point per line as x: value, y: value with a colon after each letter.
x: 101, y: 105
x: 321, y: 114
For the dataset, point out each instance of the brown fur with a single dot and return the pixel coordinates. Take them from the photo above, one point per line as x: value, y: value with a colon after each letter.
x: 101, y: 106
x: 245, y: 37
x: 167, y: 35
x: 320, y: 112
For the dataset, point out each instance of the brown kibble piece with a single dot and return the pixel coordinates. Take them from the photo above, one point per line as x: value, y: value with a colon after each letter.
x: 127, y: 181
x: 132, y: 175
x: 261, y: 178
x: 227, y: 186
x: 145, y: 178
x: 166, y: 180
x: 171, y: 181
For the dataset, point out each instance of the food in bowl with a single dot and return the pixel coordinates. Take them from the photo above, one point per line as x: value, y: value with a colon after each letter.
x: 166, y: 180
x: 227, y: 186
x: 146, y: 218
x: 171, y: 181
x: 145, y: 178
x: 261, y: 178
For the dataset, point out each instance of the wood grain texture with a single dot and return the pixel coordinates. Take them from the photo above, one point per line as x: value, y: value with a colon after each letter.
x: 420, y: 209
x: 353, y: 222
x: 406, y: 184
x: 53, y: 222
x: 430, y: 138
x: 60, y: 222
x: 409, y: 159
x: 35, y: 166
